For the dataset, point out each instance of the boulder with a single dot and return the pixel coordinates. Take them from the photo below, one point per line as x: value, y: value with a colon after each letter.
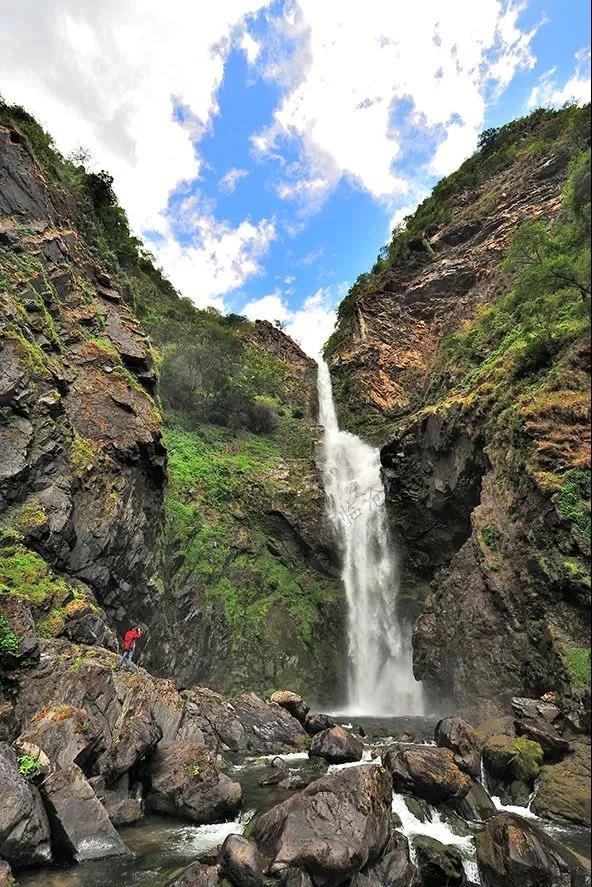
x: 393, y: 869
x: 336, y: 746
x: 24, y: 829
x: 332, y: 829
x: 67, y: 735
x: 295, y: 878
x: 535, y: 710
x: 514, y: 763
x: 316, y: 723
x: 184, y: 782
x: 6, y: 879
x: 553, y: 745
x: 439, y: 864
x: 196, y: 875
x: 513, y: 852
x: 123, y: 803
x: 458, y: 735
x: 80, y: 826
x: 20, y: 621
x: 293, y: 703
x: 563, y: 790
x: 137, y: 732
x: 239, y: 862
x: 476, y: 805
x: 429, y: 773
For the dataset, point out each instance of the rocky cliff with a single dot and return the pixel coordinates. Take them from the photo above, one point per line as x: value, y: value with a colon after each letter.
x: 226, y: 544
x: 465, y: 354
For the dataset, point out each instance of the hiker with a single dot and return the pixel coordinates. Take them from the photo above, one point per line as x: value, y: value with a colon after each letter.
x: 129, y: 646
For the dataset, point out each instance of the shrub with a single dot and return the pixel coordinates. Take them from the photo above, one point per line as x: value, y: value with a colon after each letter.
x: 29, y: 766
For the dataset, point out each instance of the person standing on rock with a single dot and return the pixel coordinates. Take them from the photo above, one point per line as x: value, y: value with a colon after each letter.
x: 129, y: 646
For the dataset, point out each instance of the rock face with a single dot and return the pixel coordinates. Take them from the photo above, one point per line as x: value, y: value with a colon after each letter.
x: 336, y: 746
x: 478, y: 507
x: 80, y: 826
x: 439, y: 864
x: 66, y: 734
x: 513, y: 853
x: 24, y: 829
x: 184, y: 782
x: 563, y: 789
x: 332, y: 829
x: 428, y: 773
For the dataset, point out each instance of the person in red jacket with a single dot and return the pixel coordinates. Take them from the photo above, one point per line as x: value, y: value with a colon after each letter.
x: 129, y: 646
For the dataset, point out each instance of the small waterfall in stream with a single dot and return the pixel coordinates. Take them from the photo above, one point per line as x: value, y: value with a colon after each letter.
x: 380, y: 678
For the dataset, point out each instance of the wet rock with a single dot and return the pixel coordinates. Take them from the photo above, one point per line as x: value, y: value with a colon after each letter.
x: 196, y: 875
x: 292, y: 703
x: 563, y: 790
x: 316, y: 723
x: 428, y: 773
x: 80, y: 826
x: 336, y: 746
x: 476, y: 805
x: 576, y: 710
x: 393, y: 869
x: 332, y: 829
x: 66, y: 734
x: 458, y: 735
x: 239, y: 862
x: 438, y: 864
x: 514, y: 764
x: 24, y: 829
x: 184, y: 782
x: 512, y: 852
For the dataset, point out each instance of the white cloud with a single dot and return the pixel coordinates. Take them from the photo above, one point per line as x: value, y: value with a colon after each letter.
x: 575, y: 89
x: 220, y: 258
x: 108, y: 76
x: 358, y: 62
x: 230, y: 179
x: 311, y: 325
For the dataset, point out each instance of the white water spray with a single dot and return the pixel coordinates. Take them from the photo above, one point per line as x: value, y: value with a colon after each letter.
x: 380, y: 678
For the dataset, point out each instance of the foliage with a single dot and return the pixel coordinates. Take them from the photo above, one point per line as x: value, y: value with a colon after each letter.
x: 9, y: 642
x: 24, y: 574
x: 577, y: 661
x: 29, y: 766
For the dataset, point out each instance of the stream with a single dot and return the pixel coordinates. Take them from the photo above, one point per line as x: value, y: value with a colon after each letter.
x: 160, y: 846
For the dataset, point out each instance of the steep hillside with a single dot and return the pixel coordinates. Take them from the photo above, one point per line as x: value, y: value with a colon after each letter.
x: 227, y: 543
x: 465, y: 353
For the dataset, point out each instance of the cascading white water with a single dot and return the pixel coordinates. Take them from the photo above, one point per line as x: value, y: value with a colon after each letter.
x: 380, y: 679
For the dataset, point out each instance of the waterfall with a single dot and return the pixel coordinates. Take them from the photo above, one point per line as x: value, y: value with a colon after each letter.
x: 380, y: 676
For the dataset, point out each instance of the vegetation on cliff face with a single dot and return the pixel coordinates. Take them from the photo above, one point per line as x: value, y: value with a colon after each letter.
x: 238, y: 554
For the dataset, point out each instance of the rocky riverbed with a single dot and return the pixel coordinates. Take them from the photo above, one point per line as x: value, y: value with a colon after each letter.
x: 115, y: 776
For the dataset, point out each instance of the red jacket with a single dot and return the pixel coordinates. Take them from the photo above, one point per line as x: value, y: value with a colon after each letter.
x: 130, y: 638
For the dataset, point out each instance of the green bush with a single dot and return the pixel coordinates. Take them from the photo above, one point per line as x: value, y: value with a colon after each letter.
x: 577, y: 661
x: 29, y: 766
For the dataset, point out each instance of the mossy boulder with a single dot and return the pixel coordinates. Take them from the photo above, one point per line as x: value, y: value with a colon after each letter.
x: 563, y: 789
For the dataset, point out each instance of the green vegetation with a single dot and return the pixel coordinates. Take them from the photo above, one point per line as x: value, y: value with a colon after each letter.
x: 193, y: 768
x: 577, y: 661
x: 10, y: 644
x: 29, y: 766
x: 272, y: 602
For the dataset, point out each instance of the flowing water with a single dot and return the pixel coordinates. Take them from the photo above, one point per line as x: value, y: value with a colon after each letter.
x: 380, y: 677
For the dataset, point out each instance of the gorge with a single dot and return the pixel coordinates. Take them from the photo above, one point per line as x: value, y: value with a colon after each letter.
x: 417, y: 504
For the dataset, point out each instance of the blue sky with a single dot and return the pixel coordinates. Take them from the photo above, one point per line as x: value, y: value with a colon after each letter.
x: 265, y: 148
